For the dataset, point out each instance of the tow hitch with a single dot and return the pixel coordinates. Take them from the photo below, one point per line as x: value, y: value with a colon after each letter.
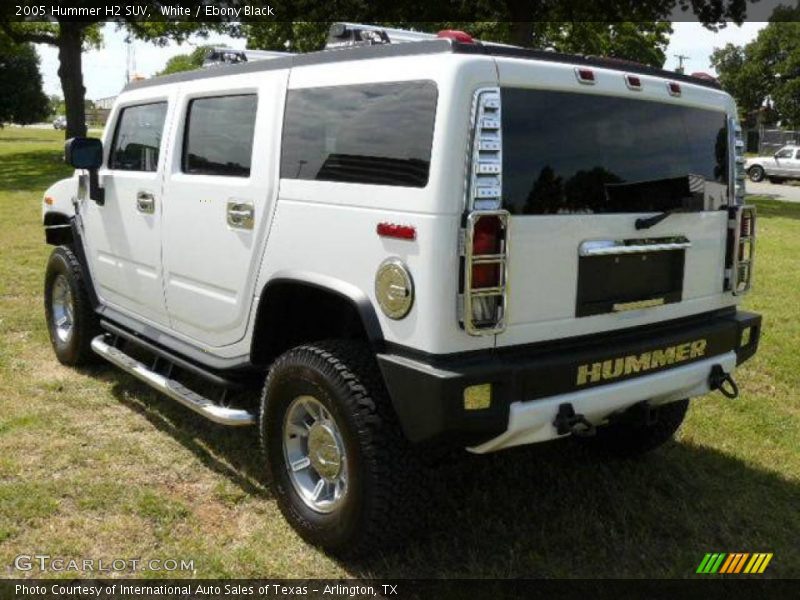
x: 568, y: 421
x: 722, y: 381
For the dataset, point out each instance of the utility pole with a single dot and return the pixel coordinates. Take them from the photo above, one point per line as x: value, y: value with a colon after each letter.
x: 681, y: 58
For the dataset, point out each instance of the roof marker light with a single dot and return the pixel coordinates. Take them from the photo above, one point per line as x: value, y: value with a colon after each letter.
x: 633, y: 82
x: 674, y: 88
x: 400, y: 232
x: 456, y: 36
x: 585, y: 75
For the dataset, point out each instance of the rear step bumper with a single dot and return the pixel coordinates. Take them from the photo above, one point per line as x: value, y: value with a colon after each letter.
x: 170, y: 387
x: 602, y: 372
x: 533, y: 421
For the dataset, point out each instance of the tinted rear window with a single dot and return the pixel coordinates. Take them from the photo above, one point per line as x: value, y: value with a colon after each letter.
x: 569, y: 153
x: 378, y: 133
x: 219, y: 136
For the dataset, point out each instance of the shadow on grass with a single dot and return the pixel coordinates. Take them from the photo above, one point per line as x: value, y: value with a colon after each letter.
x: 549, y: 510
x: 768, y: 206
x: 35, y: 170
x: 232, y: 452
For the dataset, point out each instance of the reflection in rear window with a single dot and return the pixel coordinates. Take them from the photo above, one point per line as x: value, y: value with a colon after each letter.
x: 566, y: 153
x: 377, y: 133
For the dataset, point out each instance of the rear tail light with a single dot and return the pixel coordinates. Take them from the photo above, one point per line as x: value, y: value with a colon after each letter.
x: 741, y: 249
x: 487, y: 242
x: 484, y: 247
x: 485, y: 261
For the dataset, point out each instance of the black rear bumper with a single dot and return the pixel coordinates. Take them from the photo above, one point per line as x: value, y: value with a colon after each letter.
x: 427, y: 391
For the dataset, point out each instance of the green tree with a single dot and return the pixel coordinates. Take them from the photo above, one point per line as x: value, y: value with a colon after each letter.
x: 643, y: 42
x: 632, y: 29
x: 19, y: 71
x: 186, y: 62
x: 72, y: 38
x: 765, y: 72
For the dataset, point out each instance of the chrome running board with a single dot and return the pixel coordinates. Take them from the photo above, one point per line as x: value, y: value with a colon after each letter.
x: 170, y: 387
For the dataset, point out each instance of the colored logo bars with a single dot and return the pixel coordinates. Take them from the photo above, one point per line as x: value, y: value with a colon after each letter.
x: 737, y: 562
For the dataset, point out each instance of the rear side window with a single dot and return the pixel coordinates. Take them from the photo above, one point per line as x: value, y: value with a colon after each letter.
x: 137, y: 137
x: 374, y: 134
x: 219, y: 136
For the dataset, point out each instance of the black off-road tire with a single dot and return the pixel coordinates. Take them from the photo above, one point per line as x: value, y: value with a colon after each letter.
x: 756, y: 173
x: 76, y: 350
x: 384, y: 483
x: 629, y: 440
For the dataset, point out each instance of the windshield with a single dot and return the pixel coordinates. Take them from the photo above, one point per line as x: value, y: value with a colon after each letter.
x: 568, y: 153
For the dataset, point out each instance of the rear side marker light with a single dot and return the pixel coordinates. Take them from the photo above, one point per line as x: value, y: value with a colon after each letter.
x: 673, y: 88
x: 478, y: 397
x: 400, y: 232
x: 585, y: 76
x: 456, y: 36
x: 633, y: 83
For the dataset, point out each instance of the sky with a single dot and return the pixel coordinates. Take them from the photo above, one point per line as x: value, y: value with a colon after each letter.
x: 104, y: 69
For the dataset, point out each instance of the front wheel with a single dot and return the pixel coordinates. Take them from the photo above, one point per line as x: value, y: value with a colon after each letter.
x: 630, y: 439
x: 756, y: 173
x: 343, y: 473
x: 71, y: 321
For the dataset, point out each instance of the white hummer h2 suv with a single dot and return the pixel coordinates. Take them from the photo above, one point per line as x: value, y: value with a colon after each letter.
x: 409, y: 247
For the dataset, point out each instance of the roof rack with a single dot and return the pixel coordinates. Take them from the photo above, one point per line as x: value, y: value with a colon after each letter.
x: 229, y: 56
x: 358, y: 34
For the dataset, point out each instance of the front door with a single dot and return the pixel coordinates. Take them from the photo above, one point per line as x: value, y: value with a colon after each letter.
x: 218, y: 193
x: 123, y: 235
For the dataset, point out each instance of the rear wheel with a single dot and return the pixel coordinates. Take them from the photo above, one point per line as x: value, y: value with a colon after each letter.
x: 343, y: 473
x: 626, y: 439
x: 71, y: 321
x: 756, y: 173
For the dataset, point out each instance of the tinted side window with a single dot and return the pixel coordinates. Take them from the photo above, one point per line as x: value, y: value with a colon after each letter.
x: 377, y: 133
x: 783, y: 154
x: 219, y: 136
x: 137, y: 138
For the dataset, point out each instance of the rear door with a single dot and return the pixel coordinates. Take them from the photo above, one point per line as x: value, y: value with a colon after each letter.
x: 219, y: 191
x: 123, y: 236
x: 581, y: 164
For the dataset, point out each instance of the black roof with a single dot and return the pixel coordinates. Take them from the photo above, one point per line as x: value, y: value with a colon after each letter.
x: 437, y: 46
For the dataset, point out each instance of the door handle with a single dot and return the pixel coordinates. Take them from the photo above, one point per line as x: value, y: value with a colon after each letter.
x: 240, y: 215
x: 145, y: 203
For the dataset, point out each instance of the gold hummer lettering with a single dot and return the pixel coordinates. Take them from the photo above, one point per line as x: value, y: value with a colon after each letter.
x: 662, y: 358
x: 637, y: 363
x: 698, y: 349
x: 634, y: 364
x: 589, y: 373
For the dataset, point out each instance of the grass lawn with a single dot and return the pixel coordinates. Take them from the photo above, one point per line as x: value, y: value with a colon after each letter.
x: 96, y: 465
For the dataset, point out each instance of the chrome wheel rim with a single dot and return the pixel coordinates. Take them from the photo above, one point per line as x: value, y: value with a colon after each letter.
x: 62, y: 309
x: 314, y: 454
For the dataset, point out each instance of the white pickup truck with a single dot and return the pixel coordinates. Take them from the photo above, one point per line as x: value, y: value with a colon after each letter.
x: 409, y: 247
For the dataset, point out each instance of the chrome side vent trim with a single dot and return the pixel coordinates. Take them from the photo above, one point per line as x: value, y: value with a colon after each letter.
x: 172, y: 388
x: 486, y: 178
